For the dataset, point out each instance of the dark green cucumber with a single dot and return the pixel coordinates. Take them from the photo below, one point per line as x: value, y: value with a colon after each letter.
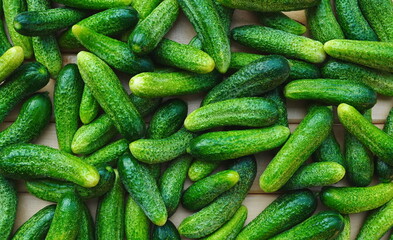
x: 9, y: 201
x: 107, y: 154
x: 269, y: 40
x: 346, y: 232
x: 349, y: 200
x: 352, y: 21
x: 4, y: 42
x: 99, y: 77
x: 322, y: 22
x: 377, y: 55
x: 279, y: 20
x: 324, y: 225
x: 277, y: 96
x: 37, y: 226
x: 250, y: 112
x: 212, y: 217
x: 256, y: 78
x: 329, y: 151
x: 155, y: 170
x: 172, y: 180
x: 282, y: 214
x: 200, y: 169
x: 37, y: 161
x: 137, y: 225
x: 307, y: 137
x: 114, y: 52
x: 89, y: 107
x: 204, y: 191
x: 269, y: 6
x: 25, y: 80
x: 67, y: 98
x: 167, y: 231
x: 219, y: 146
x: 145, y: 106
x: 144, y: 7
x: 10, y: 60
x: 332, y: 91
x: 149, y: 32
x: 32, y: 119
x: 196, y: 43
x: 142, y: 187
x: 95, y: 4
x: 383, y: 170
x: 110, y: 213
x: 86, y: 228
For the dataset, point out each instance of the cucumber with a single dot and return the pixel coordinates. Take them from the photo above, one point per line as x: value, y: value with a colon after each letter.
x: 212, y: 217
x: 323, y: 225
x: 142, y: 187
x: 66, y: 220
x: 171, y: 182
x: 167, y: 231
x: 32, y: 119
x: 165, y: 84
x: 219, y: 146
x: 329, y: 151
x: 149, y: 32
x: 250, y: 112
x: 206, y: 21
x: 377, y: 141
x: 196, y: 43
x: 200, y: 169
x: 276, y: 95
x: 89, y: 107
x: 307, y: 137
x: 109, y: 22
x: 137, y: 225
x: 107, y: 154
x: 155, y: 170
x: 110, y: 213
x: 37, y: 226
x: 99, y: 77
x: 315, y: 175
x: 37, y: 161
x: 332, y: 91
x: 95, y: 4
x: 279, y: 20
x: 377, y: 223
x: 282, y: 214
x: 11, y: 9
x: 352, y: 21
x: 383, y: 170
x: 225, y: 14
x: 348, y: 200
x: 269, y: 40
x: 231, y: 229
x: 379, y: 16
x: 256, y: 78
x: 10, y: 61
x: 371, y: 54
x: 379, y: 81
x: 173, y: 54
x: 4, y: 42
x: 144, y: 7
x: 204, y: 191
x: 145, y: 106
x: 25, y: 80
x: 154, y: 151
x: 346, y: 232
x: 86, y: 228
x: 322, y: 22
x: 9, y: 201
x: 269, y: 6
x: 114, y: 52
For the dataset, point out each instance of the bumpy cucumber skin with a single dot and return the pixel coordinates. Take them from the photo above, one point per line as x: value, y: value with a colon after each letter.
x: 107, y: 154
x: 4, y: 42
x: 329, y: 151
x: 86, y: 228
x: 349, y: 200
x: 149, y: 32
x: 282, y: 214
x: 383, y: 170
x: 200, y: 169
x: 256, y: 78
x: 346, y: 232
x: 145, y: 106
x: 34, y: 116
x: 310, y: 133
x: 225, y: 15
x: 37, y: 226
x: 137, y: 225
x: 268, y: 5
x: 99, y: 77
x: 95, y: 4
x: 274, y: 41
x: 167, y: 231
x: 9, y: 201
x: 219, y: 146
x: 279, y: 20
x: 352, y: 21
x: 142, y: 187
x: 203, y: 192
x: 89, y: 107
x: 212, y: 217
x: 250, y: 112
x: 10, y: 60
x: 277, y: 96
x: 144, y: 7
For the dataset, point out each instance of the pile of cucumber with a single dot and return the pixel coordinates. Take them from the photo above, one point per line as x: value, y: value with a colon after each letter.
x: 107, y: 150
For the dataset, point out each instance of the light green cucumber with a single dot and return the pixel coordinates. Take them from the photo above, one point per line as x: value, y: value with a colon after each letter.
x: 200, y: 169
x: 10, y: 61
x: 107, y: 154
x: 86, y: 228
x: 167, y: 231
x: 276, y: 95
x: 383, y: 170
x: 144, y: 7
x: 95, y: 4
x: 89, y: 107
x: 137, y: 225
x: 279, y: 20
x: 269, y: 6
x: 9, y: 201
x: 329, y: 151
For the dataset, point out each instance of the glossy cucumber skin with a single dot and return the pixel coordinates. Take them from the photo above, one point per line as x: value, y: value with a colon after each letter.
x: 383, y: 170
x: 86, y: 228
x: 219, y: 146
x: 279, y: 20
x: 89, y: 107
x: 142, y: 187
x: 149, y: 32
x: 352, y: 21
x: 309, y: 134
x: 145, y: 7
x: 379, y: 81
x: 349, y: 200
x: 9, y: 201
x: 371, y: 54
x: 167, y: 231
x: 212, y: 217
x: 37, y: 226
x: 332, y: 91
x: 329, y: 151
x: 99, y: 77
x: 250, y: 112
x: 95, y: 4
x: 204, y: 191
x: 276, y: 95
x: 200, y: 169
x: 10, y: 60
x: 268, y: 5
x: 107, y: 154
x: 274, y: 41
x: 282, y: 214
x: 137, y: 225
x: 4, y: 42
x: 256, y: 78
x: 32, y: 119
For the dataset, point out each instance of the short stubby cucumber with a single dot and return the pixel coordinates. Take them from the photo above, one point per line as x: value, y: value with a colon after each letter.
x: 95, y: 4
x: 89, y: 107
x: 279, y: 20
x: 107, y: 154
x: 144, y: 7
x: 167, y: 231
x: 137, y: 225
x: 10, y: 61
x: 329, y: 151
x: 200, y: 169
x: 9, y: 201
x: 269, y: 6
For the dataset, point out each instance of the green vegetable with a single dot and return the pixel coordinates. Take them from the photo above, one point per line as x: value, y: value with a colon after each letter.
x: 107, y: 154
x: 279, y: 20
x: 95, y: 4
x: 144, y: 7
x: 329, y: 151
x: 8, y: 201
x: 86, y: 228
x: 269, y: 6
x: 137, y: 225
x: 4, y: 42
x: 167, y: 231
x: 277, y: 96
x: 383, y: 170
x: 346, y: 232
x: 10, y: 61
x: 89, y: 107
x: 200, y: 169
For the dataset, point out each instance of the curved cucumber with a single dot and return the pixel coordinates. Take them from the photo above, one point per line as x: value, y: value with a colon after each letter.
x: 107, y: 154
x: 10, y: 61
x: 144, y: 7
x: 279, y: 20
x: 277, y: 96
x: 137, y: 225
x: 89, y: 107
x: 383, y: 170
x: 269, y: 6
x: 167, y: 231
x: 329, y: 151
x: 8, y: 201
x: 95, y: 4
x: 200, y: 169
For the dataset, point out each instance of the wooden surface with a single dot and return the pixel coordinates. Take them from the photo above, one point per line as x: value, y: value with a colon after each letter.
x: 256, y: 201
